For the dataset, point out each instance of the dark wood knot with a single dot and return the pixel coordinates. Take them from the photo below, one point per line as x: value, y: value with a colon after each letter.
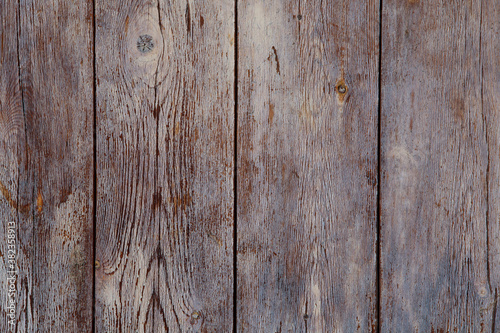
x: 145, y: 43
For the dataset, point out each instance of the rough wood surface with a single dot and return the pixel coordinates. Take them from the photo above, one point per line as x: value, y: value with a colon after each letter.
x: 439, y: 171
x: 307, y: 166
x: 490, y: 97
x: 12, y: 164
x: 165, y: 73
x: 47, y: 166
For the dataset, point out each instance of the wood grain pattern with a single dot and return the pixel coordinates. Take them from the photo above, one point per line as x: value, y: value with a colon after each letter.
x: 490, y: 98
x: 196, y: 165
x: 439, y: 182
x: 165, y: 166
x: 47, y: 167
x: 307, y: 166
x: 12, y: 164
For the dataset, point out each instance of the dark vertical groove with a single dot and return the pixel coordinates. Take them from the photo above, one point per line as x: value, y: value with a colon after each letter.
x: 235, y: 180
x: 306, y: 316
x: 25, y: 148
x: 94, y: 233
x: 493, y: 321
x: 156, y: 215
x: 21, y: 84
x: 485, y: 124
x: 379, y: 132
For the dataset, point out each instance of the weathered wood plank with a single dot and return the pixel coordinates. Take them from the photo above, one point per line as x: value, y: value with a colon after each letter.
x: 439, y: 166
x: 15, y: 289
x: 165, y: 165
x: 125, y: 141
x: 307, y: 165
x: 196, y: 165
x: 47, y: 166
x: 490, y: 97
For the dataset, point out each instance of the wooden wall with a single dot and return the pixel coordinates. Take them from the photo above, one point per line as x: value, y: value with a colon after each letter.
x: 249, y: 166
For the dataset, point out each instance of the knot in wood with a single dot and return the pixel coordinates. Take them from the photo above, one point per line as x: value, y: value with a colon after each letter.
x: 145, y: 43
x: 342, y: 89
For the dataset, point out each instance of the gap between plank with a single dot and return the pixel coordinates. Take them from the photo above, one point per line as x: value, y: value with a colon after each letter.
x: 235, y: 175
x: 94, y: 199
x: 379, y: 131
x: 25, y: 133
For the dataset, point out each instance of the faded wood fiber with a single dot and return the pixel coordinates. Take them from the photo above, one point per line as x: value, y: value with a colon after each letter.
x: 440, y: 240
x: 251, y: 165
x: 46, y: 170
x: 307, y: 166
x: 165, y: 115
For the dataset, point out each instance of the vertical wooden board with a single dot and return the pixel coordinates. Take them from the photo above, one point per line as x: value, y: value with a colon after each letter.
x: 435, y: 167
x: 165, y: 160
x: 490, y: 97
x: 47, y: 137
x: 307, y: 166
x: 126, y: 231
x: 15, y: 233
x: 56, y: 55
x: 195, y: 163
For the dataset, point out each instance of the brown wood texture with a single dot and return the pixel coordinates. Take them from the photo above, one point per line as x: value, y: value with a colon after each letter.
x: 12, y: 165
x: 165, y: 161
x: 193, y: 108
x: 440, y: 251
x: 46, y: 140
x: 490, y: 98
x: 307, y: 166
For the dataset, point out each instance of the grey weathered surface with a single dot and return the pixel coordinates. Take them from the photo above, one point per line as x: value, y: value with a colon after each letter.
x: 308, y: 97
x: 46, y: 166
x: 490, y: 97
x: 165, y: 166
x: 439, y: 166
x: 12, y: 164
x: 307, y: 166
x: 196, y: 165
